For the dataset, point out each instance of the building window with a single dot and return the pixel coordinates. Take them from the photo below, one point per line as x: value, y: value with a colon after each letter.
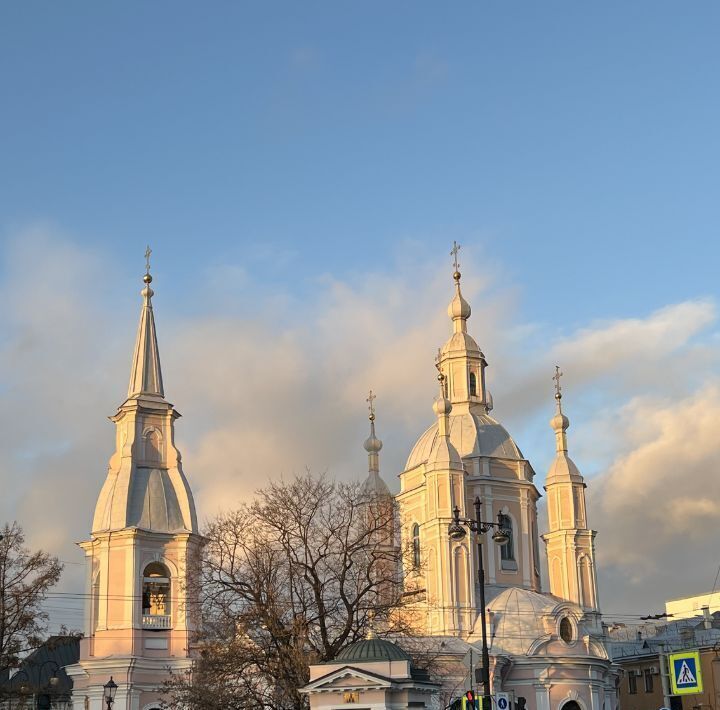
x: 156, y: 597
x: 507, y: 551
x: 566, y: 630
x: 153, y: 446
x: 536, y: 548
x: 632, y: 683
x: 648, y: 680
x: 416, y: 546
x: 473, y: 385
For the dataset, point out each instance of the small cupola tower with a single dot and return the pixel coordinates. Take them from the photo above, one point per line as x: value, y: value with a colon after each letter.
x: 139, y: 605
x: 570, y: 544
x: 374, y: 485
x: 460, y: 360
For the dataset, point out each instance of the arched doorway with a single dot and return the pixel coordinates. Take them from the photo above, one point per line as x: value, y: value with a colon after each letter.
x: 571, y: 705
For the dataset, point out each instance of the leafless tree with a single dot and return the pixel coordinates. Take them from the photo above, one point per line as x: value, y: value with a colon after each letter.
x: 288, y: 581
x: 25, y: 578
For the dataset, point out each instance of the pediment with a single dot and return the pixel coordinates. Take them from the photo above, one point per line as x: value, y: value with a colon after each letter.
x: 347, y: 678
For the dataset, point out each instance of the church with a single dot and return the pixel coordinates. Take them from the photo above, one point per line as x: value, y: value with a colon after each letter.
x: 546, y: 649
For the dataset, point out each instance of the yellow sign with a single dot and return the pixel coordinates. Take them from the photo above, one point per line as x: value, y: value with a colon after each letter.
x: 685, y: 673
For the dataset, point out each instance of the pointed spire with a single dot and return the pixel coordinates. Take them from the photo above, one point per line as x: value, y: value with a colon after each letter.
x: 559, y: 422
x: 374, y: 485
x: 372, y: 443
x: 146, y: 375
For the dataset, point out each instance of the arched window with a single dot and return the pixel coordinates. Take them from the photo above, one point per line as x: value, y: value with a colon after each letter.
x: 156, y: 597
x: 473, y: 385
x: 416, y: 546
x: 153, y: 446
x: 567, y: 633
x: 507, y: 551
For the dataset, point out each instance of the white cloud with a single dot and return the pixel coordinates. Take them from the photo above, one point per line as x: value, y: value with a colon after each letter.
x: 266, y: 393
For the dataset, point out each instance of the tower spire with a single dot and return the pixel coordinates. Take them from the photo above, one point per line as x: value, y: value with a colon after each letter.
x: 146, y: 375
x: 372, y: 443
x: 374, y: 485
x: 559, y: 422
x: 459, y: 309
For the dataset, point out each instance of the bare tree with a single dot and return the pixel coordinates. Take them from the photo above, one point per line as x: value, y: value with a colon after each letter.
x: 285, y: 582
x: 25, y: 578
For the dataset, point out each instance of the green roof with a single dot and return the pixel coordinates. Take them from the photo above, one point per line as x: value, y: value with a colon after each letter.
x: 370, y: 650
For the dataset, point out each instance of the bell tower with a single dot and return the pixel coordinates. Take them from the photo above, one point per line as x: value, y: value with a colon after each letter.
x: 139, y: 605
x: 570, y: 544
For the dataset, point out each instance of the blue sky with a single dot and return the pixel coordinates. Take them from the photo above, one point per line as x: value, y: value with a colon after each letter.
x: 301, y: 171
x: 575, y: 143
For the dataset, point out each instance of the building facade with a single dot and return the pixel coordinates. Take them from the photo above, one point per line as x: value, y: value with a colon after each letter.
x: 644, y: 661
x: 547, y: 648
x: 139, y: 609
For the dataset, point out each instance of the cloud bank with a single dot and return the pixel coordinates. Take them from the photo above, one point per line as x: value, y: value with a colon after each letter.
x: 276, y: 384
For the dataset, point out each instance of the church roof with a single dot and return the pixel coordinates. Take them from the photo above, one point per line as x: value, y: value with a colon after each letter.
x: 472, y: 434
x: 373, y: 649
x: 146, y: 375
x: 520, y: 617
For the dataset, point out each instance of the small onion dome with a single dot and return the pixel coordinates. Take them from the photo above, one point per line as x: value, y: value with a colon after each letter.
x: 442, y: 406
x: 459, y: 307
x: 559, y: 422
x: 372, y: 444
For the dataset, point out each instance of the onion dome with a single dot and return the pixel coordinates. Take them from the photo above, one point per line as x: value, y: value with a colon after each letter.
x: 372, y: 444
x: 459, y: 309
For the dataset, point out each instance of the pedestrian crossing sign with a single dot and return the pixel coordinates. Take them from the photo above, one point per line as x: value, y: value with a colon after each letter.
x: 685, y: 673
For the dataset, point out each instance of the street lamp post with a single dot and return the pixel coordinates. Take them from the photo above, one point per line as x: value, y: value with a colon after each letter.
x: 110, y: 690
x: 456, y: 531
x: 23, y: 688
x: 50, y: 698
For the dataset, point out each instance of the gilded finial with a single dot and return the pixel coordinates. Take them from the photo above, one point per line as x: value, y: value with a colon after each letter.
x: 371, y: 405
x: 558, y: 388
x: 456, y: 263
x: 147, y: 278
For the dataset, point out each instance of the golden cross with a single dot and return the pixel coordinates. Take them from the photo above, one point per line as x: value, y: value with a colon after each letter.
x: 556, y: 378
x: 454, y: 254
x: 370, y: 400
x: 148, y: 251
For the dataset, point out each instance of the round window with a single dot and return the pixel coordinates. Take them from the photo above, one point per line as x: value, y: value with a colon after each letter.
x: 566, y: 630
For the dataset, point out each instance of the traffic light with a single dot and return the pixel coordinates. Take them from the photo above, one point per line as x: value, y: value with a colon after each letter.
x: 520, y: 703
x: 470, y: 701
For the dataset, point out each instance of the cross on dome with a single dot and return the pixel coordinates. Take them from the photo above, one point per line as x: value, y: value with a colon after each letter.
x: 558, y: 387
x: 456, y: 264
x: 371, y: 406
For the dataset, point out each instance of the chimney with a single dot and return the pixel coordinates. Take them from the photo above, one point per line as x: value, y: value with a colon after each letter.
x: 707, y: 620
